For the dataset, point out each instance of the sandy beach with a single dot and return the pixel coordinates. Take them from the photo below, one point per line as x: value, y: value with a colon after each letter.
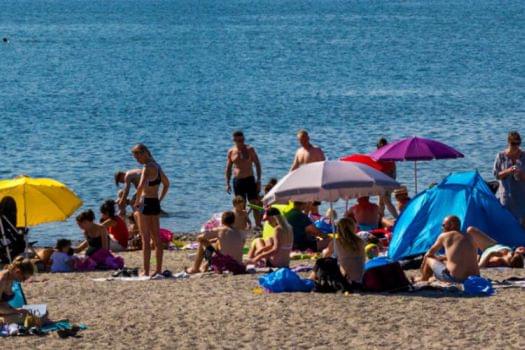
x: 214, y: 311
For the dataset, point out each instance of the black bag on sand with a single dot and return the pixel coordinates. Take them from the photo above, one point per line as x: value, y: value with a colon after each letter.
x: 328, y: 277
x: 386, y: 278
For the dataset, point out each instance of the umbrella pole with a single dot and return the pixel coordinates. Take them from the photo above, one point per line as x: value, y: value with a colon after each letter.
x: 332, y: 221
x: 415, y: 175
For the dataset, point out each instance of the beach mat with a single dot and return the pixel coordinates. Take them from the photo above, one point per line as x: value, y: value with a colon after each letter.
x: 60, y: 326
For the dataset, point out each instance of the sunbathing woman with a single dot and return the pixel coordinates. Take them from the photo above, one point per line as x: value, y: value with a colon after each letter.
x: 19, y: 270
x: 96, y: 235
x: 118, y: 231
x: 350, y: 251
x: 494, y: 254
x: 148, y: 205
x: 276, y: 249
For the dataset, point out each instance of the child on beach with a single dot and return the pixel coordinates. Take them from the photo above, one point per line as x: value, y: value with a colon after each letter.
x: 242, y: 220
x: 63, y: 260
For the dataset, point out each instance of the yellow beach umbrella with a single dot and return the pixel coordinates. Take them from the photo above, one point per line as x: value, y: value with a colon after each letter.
x: 39, y: 200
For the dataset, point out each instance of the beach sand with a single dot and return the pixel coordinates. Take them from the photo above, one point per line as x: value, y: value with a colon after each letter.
x: 222, y: 311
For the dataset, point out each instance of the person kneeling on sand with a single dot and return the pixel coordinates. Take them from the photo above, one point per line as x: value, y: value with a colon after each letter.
x: 276, y: 249
x: 222, y: 248
x: 460, y: 260
x: 494, y: 254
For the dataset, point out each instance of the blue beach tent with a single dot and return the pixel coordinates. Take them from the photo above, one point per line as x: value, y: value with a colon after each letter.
x: 463, y: 194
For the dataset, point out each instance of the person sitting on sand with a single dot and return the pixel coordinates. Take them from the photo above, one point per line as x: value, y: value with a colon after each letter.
x: 305, y: 234
x: 62, y: 259
x: 494, y: 254
x: 242, y: 220
x: 118, y: 231
x: 226, y: 243
x: 96, y: 235
x: 349, y: 250
x: 19, y: 270
x: 275, y: 251
x: 460, y: 260
x: 366, y: 214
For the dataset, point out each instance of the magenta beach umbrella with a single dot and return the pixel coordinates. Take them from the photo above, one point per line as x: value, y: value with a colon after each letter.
x: 416, y: 149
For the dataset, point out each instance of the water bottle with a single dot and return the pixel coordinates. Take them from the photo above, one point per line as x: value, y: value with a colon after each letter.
x: 517, y: 174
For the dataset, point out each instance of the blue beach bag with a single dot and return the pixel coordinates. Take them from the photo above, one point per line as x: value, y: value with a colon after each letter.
x: 285, y: 280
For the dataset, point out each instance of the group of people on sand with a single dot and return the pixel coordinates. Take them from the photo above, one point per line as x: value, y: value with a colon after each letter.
x: 295, y: 229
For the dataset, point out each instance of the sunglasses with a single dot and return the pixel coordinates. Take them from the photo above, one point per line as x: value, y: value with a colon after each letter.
x: 515, y: 143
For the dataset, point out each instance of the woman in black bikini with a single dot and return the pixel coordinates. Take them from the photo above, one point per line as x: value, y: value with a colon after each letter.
x: 96, y: 235
x: 19, y: 270
x: 148, y: 205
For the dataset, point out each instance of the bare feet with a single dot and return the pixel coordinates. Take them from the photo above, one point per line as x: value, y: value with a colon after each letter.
x: 191, y: 270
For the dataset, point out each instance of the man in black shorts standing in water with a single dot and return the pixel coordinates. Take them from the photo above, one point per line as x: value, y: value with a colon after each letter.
x: 242, y: 158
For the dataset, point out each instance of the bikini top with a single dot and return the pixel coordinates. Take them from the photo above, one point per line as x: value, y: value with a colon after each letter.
x: 158, y: 179
x: 7, y: 297
x: 95, y: 242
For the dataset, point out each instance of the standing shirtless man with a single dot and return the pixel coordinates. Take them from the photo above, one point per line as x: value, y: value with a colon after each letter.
x: 307, y: 153
x: 241, y: 159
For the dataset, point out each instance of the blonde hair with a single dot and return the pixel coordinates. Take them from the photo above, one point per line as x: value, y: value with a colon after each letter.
x: 23, y: 265
x: 346, y: 235
x: 238, y: 200
x: 331, y: 214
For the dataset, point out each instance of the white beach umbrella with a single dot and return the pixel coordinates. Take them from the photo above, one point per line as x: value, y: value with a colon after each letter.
x: 330, y: 181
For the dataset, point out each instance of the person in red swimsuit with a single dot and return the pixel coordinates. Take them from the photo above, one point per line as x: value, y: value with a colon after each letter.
x: 118, y: 231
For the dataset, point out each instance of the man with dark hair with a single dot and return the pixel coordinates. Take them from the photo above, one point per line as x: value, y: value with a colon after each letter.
x: 460, y: 260
x: 128, y: 178
x: 241, y: 159
x: 307, y: 153
x: 222, y: 247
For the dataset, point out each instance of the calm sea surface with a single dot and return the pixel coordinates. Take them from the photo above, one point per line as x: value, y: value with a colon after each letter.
x: 82, y: 81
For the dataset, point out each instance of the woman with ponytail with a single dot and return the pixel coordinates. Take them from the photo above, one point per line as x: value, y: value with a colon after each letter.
x: 19, y: 270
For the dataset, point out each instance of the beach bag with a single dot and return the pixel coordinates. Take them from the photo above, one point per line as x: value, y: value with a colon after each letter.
x: 476, y: 285
x: 165, y: 235
x: 285, y: 280
x: 328, y: 277
x: 384, y: 276
x: 324, y: 225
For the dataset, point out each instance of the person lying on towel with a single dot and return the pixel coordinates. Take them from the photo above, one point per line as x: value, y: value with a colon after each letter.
x: 460, y: 260
x: 222, y: 248
x: 494, y: 254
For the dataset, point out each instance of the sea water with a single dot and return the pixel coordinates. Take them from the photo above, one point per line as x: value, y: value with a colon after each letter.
x: 82, y: 81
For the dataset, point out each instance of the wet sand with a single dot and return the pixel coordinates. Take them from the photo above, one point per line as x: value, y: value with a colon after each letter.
x: 214, y: 311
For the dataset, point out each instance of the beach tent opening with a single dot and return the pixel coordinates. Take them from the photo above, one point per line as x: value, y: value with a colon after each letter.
x: 464, y: 194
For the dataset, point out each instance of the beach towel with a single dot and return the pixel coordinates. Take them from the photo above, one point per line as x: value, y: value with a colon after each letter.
x: 220, y: 263
x: 102, y: 259
x: 285, y: 280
